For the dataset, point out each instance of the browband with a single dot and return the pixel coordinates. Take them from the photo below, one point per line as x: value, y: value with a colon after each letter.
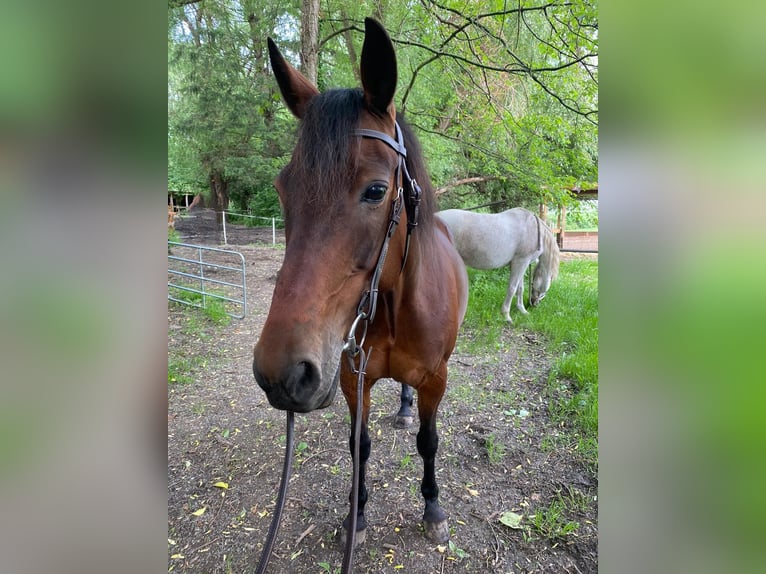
x: 397, y: 145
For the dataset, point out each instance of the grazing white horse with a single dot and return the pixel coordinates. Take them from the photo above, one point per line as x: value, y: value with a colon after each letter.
x: 515, y: 236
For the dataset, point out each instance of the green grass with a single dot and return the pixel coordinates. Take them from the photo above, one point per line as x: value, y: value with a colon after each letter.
x: 551, y: 523
x: 198, y: 323
x: 181, y: 369
x: 495, y: 449
x: 483, y: 323
x: 568, y: 319
x: 214, y: 309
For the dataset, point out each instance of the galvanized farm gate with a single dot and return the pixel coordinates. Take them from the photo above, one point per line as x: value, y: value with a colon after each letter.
x: 197, y: 274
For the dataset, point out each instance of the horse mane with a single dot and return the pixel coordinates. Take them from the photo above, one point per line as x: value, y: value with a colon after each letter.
x: 327, y: 152
x: 416, y: 165
x: 551, y: 256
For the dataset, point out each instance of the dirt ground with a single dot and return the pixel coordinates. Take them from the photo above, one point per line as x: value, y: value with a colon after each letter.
x: 581, y: 240
x: 226, y: 448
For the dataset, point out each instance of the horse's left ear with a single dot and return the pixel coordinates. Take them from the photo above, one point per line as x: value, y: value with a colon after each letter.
x: 378, y: 69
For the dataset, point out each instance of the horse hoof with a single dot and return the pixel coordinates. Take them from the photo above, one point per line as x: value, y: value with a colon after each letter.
x: 401, y: 422
x: 361, y: 535
x: 437, y: 531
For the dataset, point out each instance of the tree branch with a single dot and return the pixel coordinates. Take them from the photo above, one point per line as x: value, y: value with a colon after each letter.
x: 465, y: 181
x: 179, y: 3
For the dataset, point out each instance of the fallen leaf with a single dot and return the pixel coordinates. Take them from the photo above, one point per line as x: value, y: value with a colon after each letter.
x: 221, y: 484
x: 511, y: 519
x: 199, y: 512
x: 473, y: 492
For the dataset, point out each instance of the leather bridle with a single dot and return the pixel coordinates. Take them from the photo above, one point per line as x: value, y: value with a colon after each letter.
x: 357, y: 357
x: 411, y: 199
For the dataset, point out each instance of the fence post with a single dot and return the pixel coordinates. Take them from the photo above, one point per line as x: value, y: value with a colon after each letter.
x: 223, y: 216
x: 273, y: 231
x: 201, y: 278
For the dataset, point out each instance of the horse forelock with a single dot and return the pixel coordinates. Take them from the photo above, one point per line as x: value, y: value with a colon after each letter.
x: 324, y: 161
x: 326, y: 156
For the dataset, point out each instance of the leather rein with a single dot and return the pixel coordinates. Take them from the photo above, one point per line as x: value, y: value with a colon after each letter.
x: 357, y: 358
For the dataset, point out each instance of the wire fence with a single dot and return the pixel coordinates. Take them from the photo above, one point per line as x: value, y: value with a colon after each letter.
x: 197, y: 274
x: 272, y: 220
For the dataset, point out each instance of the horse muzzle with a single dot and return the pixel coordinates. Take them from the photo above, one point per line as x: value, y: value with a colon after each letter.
x: 300, y: 387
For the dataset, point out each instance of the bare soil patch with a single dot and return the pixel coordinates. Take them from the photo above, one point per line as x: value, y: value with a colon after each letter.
x: 581, y: 240
x: 499, y: 452
x: 199, y: 226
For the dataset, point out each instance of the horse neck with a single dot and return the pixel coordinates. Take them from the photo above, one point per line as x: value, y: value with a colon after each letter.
x: 539, y: 225
x: 404, y: 279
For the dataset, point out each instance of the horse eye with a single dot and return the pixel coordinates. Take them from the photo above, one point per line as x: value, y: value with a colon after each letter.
x: 375, y: 193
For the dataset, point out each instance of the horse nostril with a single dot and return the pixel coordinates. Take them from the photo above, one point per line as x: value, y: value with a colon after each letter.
x: 301, y: 378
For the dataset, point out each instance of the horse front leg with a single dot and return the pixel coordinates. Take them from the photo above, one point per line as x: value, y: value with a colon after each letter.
x: 520, y: 296
x: 404, y: 417
x: 515, y: 287
x: 430, y: 393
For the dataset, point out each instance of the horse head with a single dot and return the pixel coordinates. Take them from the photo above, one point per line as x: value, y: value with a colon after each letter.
x: 541, y: 282
x: 547, y: 268
x: 336, y: 193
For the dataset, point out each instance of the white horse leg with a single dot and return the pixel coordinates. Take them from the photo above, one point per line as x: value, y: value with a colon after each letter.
x: 515, y: 287
x: 520, y: 296
x: 506, y: 308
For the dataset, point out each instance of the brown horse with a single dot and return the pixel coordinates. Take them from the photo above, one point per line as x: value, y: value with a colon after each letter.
x: 356, y: 162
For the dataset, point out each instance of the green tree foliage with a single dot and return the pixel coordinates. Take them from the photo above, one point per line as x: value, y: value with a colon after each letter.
x: 503, y: 95
x: 227, y: 134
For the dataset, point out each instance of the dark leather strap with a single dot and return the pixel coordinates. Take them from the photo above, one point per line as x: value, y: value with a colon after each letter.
x: 397, y: 145
x: 411, y: 199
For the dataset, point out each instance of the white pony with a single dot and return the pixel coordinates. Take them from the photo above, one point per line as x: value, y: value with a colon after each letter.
x: 515, y: 236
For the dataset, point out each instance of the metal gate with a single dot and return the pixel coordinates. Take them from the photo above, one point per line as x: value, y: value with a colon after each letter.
x: 197, y: 274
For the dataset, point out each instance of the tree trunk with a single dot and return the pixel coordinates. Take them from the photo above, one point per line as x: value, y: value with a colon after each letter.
x: 348, y: 38
x: 219, y: 195
x: 562, y: 225
x: 310, y: 39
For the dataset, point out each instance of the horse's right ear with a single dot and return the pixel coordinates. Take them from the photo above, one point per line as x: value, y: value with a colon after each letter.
x: 296, y: 90
x: 378, y: 69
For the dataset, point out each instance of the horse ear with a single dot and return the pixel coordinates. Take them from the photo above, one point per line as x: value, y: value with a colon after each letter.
x: 378, y: 69
x: 296, y: 90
